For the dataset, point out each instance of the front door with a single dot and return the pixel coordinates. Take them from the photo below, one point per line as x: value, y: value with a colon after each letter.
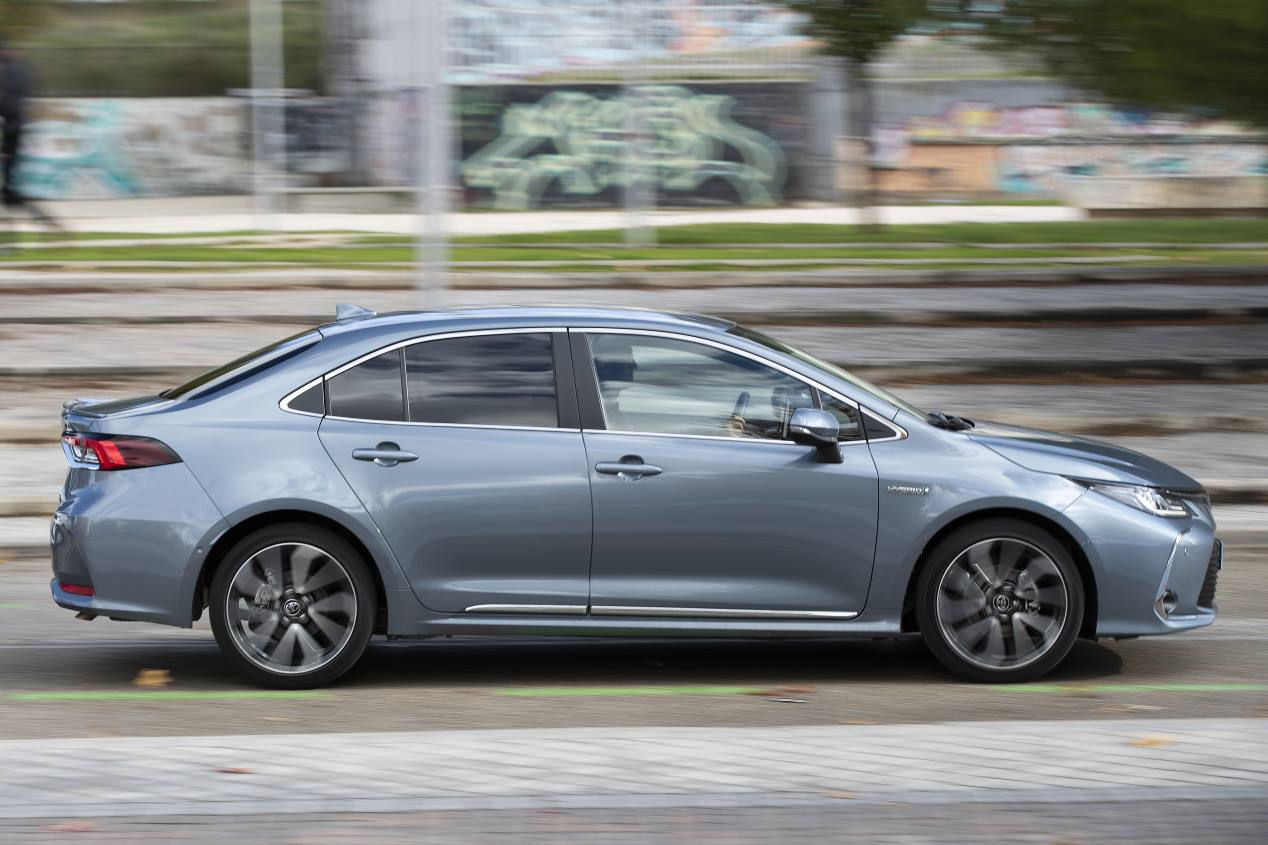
x: 457, y: 449
x: 702, y: 506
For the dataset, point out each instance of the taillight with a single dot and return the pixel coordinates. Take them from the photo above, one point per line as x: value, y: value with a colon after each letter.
x: 116, y: 451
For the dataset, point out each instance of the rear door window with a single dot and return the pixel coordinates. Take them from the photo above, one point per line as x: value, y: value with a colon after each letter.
x: 494, y: 379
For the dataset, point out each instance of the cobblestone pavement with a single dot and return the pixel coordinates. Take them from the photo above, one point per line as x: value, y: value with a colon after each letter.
x: 651, y: 768
x: 1217, y: 822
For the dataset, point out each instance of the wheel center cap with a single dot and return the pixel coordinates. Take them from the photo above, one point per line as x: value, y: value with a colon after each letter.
x: 1002, y: 603
x: 293, y: 607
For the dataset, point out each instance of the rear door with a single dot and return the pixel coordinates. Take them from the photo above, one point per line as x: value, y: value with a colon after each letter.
x: 466, y: 451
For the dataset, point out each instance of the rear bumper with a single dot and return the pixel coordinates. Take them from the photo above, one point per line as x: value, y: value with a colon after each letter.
x: 135, y: 537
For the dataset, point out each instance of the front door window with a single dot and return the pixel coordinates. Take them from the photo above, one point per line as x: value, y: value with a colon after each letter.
x: 665, y: 386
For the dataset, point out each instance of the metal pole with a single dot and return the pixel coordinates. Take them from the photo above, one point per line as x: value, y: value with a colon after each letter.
x: 637, y: 231
x: 434, y: 139
x: 268, y: 141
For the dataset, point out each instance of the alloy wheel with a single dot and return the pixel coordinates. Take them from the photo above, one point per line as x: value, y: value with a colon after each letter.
x: 291, y: 608
x: 1002, y: 603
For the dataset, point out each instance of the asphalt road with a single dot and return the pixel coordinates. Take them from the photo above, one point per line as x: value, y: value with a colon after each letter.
x: 60, y: 677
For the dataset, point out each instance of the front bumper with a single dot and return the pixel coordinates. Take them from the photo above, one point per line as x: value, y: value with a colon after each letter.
x: 1154, y: 575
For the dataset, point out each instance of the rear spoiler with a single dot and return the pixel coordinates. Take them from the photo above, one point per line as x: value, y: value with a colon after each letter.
x: 80, y: 414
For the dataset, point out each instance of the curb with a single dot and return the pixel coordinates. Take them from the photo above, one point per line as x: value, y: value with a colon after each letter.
x: 977, y: 371
x: 56, y: 281
x: 1091, y: 317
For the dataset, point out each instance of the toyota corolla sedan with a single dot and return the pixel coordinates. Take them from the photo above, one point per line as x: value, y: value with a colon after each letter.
x: 605, y: 472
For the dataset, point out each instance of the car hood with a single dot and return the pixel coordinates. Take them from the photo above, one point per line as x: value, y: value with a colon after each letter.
x: 1078, y: 457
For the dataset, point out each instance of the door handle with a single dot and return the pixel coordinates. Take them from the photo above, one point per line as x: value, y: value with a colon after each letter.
x: 385, y: 455
x: 630, y: 467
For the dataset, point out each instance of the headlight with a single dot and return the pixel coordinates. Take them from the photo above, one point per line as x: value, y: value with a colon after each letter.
x: 1148, y: 499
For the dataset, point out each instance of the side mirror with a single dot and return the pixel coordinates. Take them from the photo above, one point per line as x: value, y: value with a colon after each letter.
x: 818, y: 428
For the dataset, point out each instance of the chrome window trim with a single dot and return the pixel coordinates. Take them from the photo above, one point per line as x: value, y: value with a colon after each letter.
x: 757, y: 441
x: 901, y: 435
x: 900, y: 432
x: 401, y: 344
x: 453, y: 425
x: 284, y: 404
x: 715, y: 612
x: 542, y: 609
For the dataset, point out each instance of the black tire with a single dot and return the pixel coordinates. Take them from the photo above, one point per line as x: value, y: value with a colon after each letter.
x: 356, y: 590
x: 952, y: 640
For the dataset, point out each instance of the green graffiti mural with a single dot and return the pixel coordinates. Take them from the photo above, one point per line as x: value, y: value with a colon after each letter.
x: 576, y: 143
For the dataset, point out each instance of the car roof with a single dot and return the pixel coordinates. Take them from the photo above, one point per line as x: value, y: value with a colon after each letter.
x: 516, y: 316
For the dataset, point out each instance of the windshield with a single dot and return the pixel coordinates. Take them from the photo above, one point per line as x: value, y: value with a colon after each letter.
x: 251, y: 362
x: 806, y: 357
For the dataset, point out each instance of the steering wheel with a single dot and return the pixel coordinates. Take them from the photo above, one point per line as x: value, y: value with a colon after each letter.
x: 736, y: 425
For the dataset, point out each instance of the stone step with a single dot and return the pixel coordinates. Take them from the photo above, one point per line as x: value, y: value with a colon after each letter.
x: 810, y: 306
x: 893, y: 354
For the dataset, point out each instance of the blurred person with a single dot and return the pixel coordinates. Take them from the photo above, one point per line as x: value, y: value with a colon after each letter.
x: 15, y: 89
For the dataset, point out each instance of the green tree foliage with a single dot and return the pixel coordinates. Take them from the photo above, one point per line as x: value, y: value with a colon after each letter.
x: 1167, y: 54
x: 19, y: 18
x: 856, y: 32
x: 160, y: 48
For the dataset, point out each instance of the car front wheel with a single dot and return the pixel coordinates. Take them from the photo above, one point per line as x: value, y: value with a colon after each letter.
x: 293, y: 606
x: 1000, y: 601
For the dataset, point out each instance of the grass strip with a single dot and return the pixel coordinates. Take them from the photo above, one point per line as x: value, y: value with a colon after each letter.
x: 1189, y: 230
x: 533, y: 258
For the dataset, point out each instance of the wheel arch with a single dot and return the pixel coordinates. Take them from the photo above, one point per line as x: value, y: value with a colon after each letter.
x: 1087, y: 627
x: 221, y: 545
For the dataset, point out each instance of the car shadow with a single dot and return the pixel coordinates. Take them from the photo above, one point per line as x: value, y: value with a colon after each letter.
x: 475, y: 662
x: 508, y: 662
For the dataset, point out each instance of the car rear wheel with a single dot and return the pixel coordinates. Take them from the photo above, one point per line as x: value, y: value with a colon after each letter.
x: 293, y: 606
x: 1000, y: 601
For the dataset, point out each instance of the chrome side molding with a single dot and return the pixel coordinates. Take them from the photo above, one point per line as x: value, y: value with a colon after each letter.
x: 537, y: 609
x: 631, y: 610
x: 713, y: 612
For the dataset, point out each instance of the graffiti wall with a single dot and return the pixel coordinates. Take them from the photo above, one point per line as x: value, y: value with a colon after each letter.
x: 109, y: 148
x: 100, y: 148
x: 976, y: 148
x: 534, y: 146
x: 498, y: 40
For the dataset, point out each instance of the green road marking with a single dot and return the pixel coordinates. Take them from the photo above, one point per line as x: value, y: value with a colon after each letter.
x: 164, y: 695
x: 1132, y: 688
x: 595, y: 692
x: 12, y: 605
